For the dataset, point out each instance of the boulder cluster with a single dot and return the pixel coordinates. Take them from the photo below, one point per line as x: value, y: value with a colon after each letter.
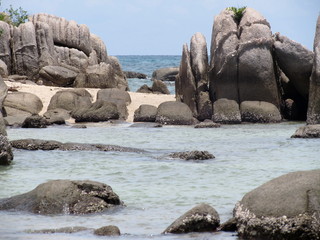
x: 53, y: 51
x: 251, y: 76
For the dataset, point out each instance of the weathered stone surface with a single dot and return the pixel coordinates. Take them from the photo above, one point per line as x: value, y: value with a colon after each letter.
x: 146, y: 125
x: 59, y: 76
x: 66, y: 33
x: 165, y: 74
x: 192, y: 155
x: 120, y: 78
x: 99, y: 47
x: 22, y: 101
x: 55, y: 114
x: 144, y: 89
x: 24, y: 50
x: 295, y: 61
x: 64, y: 196
x: 35, y: 121
x: 223, y: 63
x: 202, y: 218
x: 174, y: 113
x: 159, y: 86
x: 286, y: 207
x: 259, y: 112
x: 3, y: 69
x: 145, y: 113
x: 309, y: 131
x: 107, y: 231
x: 313, y: 116
x: 70, y: 99
x: 226, y: 111
x: 204, y: 105
x: 99, y: 111
x: 114, y: 94
x: 6, y: 155
x: 72, y: 57
x: 207, y: 124
x: 229, y: 226
x: 130, y: 74
x: 46, y: 145
x: 5, y: 50
x: 185, y: 82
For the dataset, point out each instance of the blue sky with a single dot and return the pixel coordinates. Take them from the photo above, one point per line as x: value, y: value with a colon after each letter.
x: 161, y: 27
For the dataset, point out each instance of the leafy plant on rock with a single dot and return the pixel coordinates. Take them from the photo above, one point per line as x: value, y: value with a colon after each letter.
x: 13, y: 16
x: 238, y: 13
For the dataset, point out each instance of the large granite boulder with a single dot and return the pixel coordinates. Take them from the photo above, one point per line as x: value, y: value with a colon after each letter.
x: 226, y: 111
x: 174, y: 113
x: 313, y: 116
x: 66, y: 33
x: 286, y: 207
x: 99, y: 47
x: 295, y: 61
x: 119, y: 76
x: 58, y: 76
x: 70, y: 99
x: 185, y: 82
x: 259, y: 112
x: 3, y: 69
x: 145, y: 113
x: 5, y: 49
x: 309, y: 131
x: 6, y: 155
x: 25, y: 55
x: 159, y: 86
x: 165, y: 74
x: 74, y: 58
x: 99, y: 111
x: 64, y: 197
x: 201, y: 218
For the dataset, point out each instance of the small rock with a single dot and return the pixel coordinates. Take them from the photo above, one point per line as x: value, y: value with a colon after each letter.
x: 107, y: 231
x: 207, y: 124
x: 192, y: 155
x: 35, y: 121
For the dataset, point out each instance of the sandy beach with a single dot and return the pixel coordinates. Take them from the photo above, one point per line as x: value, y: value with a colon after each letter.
x: 45, y: 93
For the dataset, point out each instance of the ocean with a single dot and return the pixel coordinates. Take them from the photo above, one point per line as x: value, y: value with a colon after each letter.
x: 155, y: 189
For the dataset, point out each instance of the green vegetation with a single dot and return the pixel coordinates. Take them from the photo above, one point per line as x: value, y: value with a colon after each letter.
x: 238, y: 13
x: 13, y: 16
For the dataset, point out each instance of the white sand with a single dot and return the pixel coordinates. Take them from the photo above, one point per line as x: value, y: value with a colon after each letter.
x: 45, y: 93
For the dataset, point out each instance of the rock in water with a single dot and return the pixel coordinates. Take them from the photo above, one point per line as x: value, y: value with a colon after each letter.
x: 201, y: 218
x: 309, y: 131
x: 286, y: 207
x: 64, y: 196
x: 6, y: 155
x: 107, y: 231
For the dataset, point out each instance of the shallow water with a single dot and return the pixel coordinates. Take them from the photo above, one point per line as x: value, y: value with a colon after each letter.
x: 155, y: 189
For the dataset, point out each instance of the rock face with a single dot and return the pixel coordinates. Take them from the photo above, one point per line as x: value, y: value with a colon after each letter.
x: 202, y: 218
x: 3, y: 94
x: 145, y: 113
x: 309, y: 131
x: 6, y: 155
x: 165, y: 74
x: 174, y: 113
x: 226, y: 111
x: 259, y: 112
x: 56, y: 52
x: 313, y: 116
x: 284, y: 208
x: 64, y: 196
x: 159, y: 86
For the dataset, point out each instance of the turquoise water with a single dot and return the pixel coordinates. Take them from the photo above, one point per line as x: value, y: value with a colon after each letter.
x: 155, y: 189
x: 147, y: 64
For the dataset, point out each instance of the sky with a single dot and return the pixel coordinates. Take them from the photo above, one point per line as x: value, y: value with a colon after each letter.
x: 161, y: 27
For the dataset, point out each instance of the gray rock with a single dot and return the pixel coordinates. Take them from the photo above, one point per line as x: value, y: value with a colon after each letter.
x: 226, y: 111
x: 2, y: 126
x: 309, y: 131
x: 165, y: 74
x: 229, y: 226
x: 107, y: 231
x: 22, y: 103
x: 259, y: 112
x: 58, y: 76
x: 286, y: 207
x: 46, y: 145
x: 114, y: 94
x: 72, y: 57
x: 120, y: 78
x: 99, y: 47
x: 130, y: 74
x: 24, y: 50
x: 174, y: 113
x: 66, y: 33
x: 204, y: 105
x: 144, y: 89
x: 185, y: 82
x: 56, y: 114
x: 99, y: 111
x: 3, y: 92
x: 207, y: 124
x: 64, y: 196
x: 313, y: 116
x: 5, y: 50
x: 202, y: 218
x: 192, y: 155
x: 145, y: 113
x: 223, y: 63
x: 295, y: 61
x: 159, y: 86
x: 146, y: 125
x: 35, y: 121
x: 3, y: 69
x: 70, y: 100
x: 6, y: 155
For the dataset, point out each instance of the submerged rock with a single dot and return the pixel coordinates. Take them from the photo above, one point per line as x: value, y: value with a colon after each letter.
x: 64, y: 196
x: 61, y: 230
x: 107, y: 231
x: 192, y: 155
x: 202, y: 218
x: 309, y: 131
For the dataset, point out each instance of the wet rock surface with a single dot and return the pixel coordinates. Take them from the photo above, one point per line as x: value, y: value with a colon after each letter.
x: 192, y: 155
x: 309, y: 131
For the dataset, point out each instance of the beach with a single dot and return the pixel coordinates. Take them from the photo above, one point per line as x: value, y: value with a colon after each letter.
x: 45, y: 93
